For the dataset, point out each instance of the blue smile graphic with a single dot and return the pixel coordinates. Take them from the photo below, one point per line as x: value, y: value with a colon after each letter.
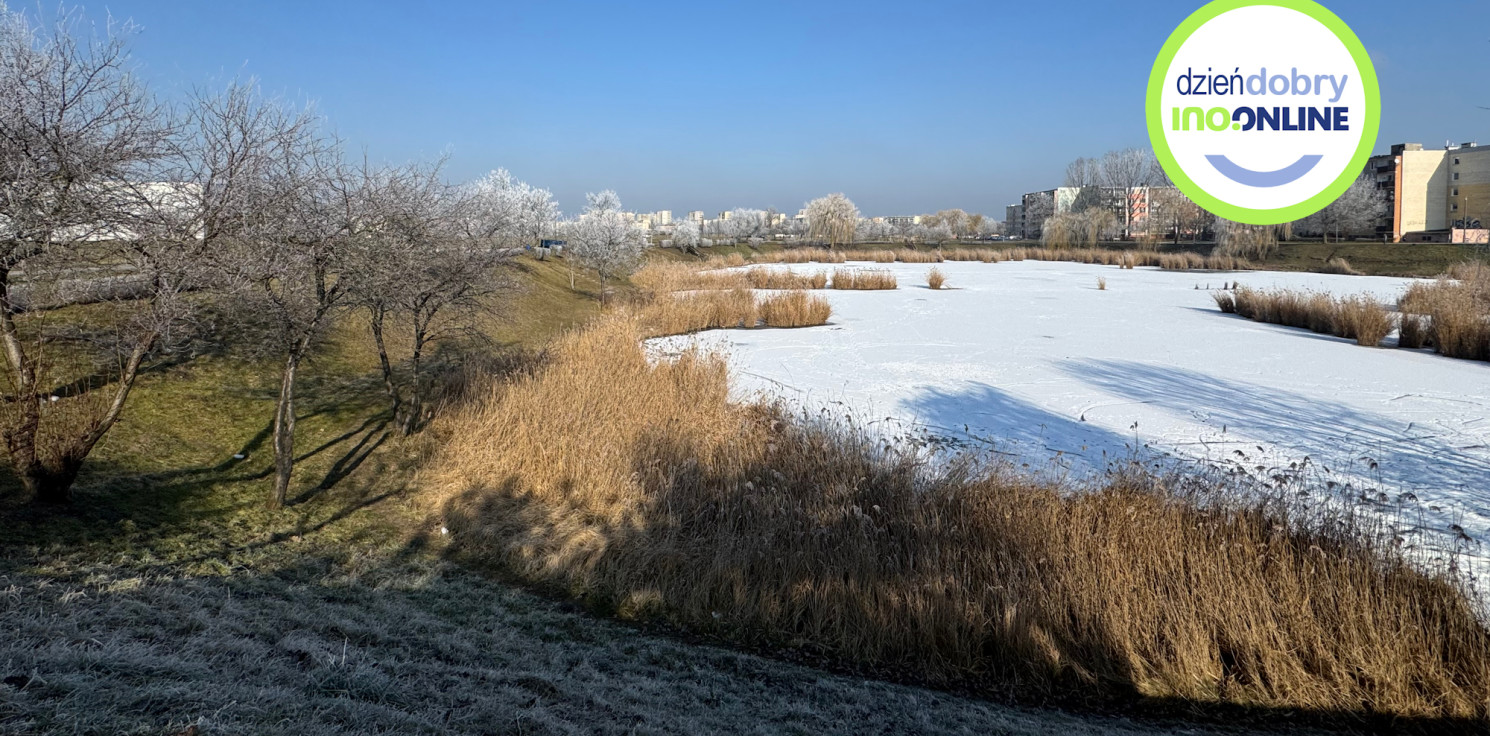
x: 1286, y: 175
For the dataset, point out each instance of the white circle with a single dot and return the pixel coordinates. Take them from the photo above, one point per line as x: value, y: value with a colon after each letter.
x: 1265, y: 42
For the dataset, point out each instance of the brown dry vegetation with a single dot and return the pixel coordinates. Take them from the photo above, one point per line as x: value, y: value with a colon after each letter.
x: 1340, y: 266
x: 863, y: 279
x: 682, y: 313
x: 1355, y: 317
x: 660, y: 499
x: 1455, y: 311
x: 659, y: 278
x: 935, y: 278
x: 1184, y: 261
x: 919, y: 256
x: 795, y: 309
x: 1129, y: 259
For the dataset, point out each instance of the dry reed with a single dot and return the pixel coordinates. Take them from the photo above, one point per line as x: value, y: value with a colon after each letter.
x: 1412, y: 331
x: 862, y: 279
x: 1356, y: 318
x: 1338, y: 265
x: 639, y: 488
x: 1456, y: 311
x: 794, y: 309
x: 906, y: 255
x: 935, y: 278
x: 685, y: 312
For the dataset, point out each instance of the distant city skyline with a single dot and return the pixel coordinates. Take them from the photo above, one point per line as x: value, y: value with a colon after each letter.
x: 678, y: 106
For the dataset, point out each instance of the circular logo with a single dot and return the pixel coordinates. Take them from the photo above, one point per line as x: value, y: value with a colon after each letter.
x: 1263, y: 111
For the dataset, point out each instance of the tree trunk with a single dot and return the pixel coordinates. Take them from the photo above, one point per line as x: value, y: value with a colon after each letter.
x: 20, y: 432
x: 53, y: 486
x: 284, y: 431
x: 415, y: 414
x: 394, y: 396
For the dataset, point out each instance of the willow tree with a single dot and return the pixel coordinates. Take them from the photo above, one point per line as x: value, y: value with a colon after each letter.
x: 832, y: 220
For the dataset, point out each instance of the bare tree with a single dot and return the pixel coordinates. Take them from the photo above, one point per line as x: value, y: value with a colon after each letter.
x: 1083, y: 172
x: 418, y: 264
x: 1175, y: 213
x: 297, y: 267
x: 832, y: 220
x: 1126, y: 170
x: 78, y: 135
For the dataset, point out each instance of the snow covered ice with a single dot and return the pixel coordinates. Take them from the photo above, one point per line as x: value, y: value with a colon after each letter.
x: 1033, y: 357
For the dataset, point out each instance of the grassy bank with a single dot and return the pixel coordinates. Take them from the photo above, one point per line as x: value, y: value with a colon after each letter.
x: 643, y: 491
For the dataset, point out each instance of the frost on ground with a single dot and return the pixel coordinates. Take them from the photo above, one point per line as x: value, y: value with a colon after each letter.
x: 421, y: 649
x: 1034, y: 359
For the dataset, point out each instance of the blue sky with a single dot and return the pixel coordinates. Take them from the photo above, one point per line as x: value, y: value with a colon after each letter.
x: 906, y: 107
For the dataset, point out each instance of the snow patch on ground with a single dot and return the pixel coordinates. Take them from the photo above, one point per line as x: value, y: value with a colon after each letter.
x: 1034, y: 358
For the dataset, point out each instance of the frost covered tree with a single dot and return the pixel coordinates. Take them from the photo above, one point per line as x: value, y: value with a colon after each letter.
x: 1356, y: 212
x: 80, y: 139
x: 604, y: 239
x: 832, y: 220
x: 686, y: 235
x: 509, y: 211
x: 421, y: 269
x: 746, y: 225
x: 871, y: 231
x: 955, y: 222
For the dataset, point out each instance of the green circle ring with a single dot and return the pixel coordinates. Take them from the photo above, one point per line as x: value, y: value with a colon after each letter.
x: 1248, y: 215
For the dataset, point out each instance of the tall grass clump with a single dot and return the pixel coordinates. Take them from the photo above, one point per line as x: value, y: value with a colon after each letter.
x: 1364, y: 320
x: 637, y: 487
x: 772, y: 278
x: 678, y: 314
x: 935, y: 278
x: 683, y: 313
x: 1412, y: 331
x: 862, y: 279
x: 1338, y: 265
x: 906, y: 255
x: 1253, y: 242
x: 1355, y: 317
x: 794, y: 309
x: 1456, y: 311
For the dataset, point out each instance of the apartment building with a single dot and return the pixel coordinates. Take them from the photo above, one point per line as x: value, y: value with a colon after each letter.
x: 1434, y: 195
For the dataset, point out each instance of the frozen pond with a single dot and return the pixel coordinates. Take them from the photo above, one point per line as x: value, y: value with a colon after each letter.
x: 1034, y: 358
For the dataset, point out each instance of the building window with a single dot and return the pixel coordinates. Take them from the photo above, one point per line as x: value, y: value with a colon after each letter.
x: 1456, y: 206
x: 1456, y: 176
x: 1456, y: 160
x: 1456, y: 191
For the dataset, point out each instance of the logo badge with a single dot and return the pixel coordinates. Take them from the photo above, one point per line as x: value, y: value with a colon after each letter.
x: 1263, y: 111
